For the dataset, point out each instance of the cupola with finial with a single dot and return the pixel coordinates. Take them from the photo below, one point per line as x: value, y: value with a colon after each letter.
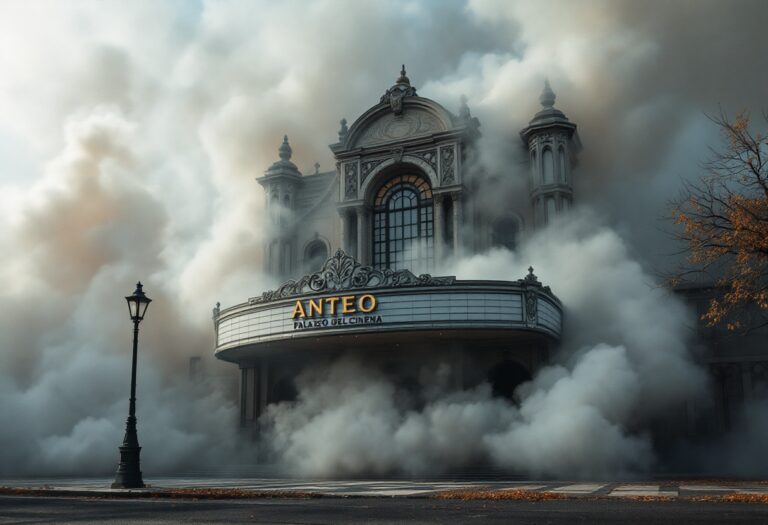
x: 553, y: 144
x: 282, y: 179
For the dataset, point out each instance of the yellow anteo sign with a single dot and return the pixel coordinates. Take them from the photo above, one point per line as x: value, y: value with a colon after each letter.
x: 335, y: 305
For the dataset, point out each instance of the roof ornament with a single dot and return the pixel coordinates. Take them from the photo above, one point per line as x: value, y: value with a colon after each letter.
x: 395, y: 95
x: 464, y: 113
x: 317, y: 168
x: 531, y: 277
x: 343, y: 130
x: 403, y: 79
x: 547, y: 97
x: 285, y: 149
x: 283, y: 167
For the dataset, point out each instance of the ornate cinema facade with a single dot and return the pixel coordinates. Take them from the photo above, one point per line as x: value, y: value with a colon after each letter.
x: 366, y: 237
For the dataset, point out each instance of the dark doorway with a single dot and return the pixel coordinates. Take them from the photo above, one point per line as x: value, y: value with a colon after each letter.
x: 506, y: 376
x: 284, y: 390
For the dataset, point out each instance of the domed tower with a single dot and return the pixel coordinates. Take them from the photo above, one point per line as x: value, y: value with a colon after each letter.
x: 281, y: 183
x: 552, y: 144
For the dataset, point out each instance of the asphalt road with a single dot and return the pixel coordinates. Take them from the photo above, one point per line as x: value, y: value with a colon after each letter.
x: 373, y: 511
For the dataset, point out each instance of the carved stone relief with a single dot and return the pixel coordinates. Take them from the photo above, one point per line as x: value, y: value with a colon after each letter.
x: 429, y: 156
x: 531, y: 304
x: 367, y: 167
x: 447, y: 170
x: 350, y: 180
x: 397, y: 154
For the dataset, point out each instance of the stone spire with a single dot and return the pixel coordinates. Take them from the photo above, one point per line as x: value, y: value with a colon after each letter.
x: 547, y: 97
x: 548, y: 113
x: 466, y: 118
x: 464, y: 113
x: 285, y: 149
x: 403, y: 79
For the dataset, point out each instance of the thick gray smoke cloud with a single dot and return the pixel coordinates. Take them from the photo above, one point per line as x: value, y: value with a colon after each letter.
x: 130, y: 135
x: 624, y: 364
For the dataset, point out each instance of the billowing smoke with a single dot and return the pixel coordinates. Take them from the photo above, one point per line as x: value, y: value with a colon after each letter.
x: 625, y: 362
x: 130, y: 135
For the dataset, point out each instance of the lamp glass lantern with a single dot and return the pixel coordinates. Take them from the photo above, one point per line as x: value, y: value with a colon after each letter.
x: 138, y: 303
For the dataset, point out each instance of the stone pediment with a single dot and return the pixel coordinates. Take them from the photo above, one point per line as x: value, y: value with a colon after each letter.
x: 390, y: 127
x: 418, y: 117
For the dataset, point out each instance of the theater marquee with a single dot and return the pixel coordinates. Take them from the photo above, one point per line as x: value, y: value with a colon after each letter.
x: 346, y: 297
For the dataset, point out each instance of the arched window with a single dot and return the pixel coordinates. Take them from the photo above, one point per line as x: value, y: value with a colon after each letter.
x: 315, y: 254
x: 551, y: 210
x: 274, y: 209
x: 561, y: 161
x: 548, y: 163
x: 403, y: 224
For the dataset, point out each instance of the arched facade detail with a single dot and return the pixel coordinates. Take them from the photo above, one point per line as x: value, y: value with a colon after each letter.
x: 310, y: 255
x: 390, y: 167
x: 376, y: 116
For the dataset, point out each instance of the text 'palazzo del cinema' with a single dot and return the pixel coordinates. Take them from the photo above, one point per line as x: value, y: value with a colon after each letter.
x: 356, y: 247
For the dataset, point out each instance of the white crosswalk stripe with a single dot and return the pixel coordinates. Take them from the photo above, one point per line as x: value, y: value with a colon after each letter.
x: 635, y: 490
x: 578, y: 488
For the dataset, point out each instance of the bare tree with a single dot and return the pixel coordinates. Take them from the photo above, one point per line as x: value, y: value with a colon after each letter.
x: 722, y: 220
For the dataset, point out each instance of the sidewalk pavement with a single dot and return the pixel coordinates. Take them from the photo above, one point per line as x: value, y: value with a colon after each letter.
x: 224, y: 488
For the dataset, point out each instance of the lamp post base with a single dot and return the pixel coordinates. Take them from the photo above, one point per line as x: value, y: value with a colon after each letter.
x: 128, y: 474
x: 128, y: 471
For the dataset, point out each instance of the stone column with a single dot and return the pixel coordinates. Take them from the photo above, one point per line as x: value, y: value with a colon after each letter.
x: 456, y: 224
x: 243, y: 395
x: 343, y: 230
x: 263, y: 386
x: 362, y: 235
x: 438, y: 227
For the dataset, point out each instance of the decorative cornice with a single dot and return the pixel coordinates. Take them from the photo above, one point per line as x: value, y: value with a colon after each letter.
x: 342, y: 272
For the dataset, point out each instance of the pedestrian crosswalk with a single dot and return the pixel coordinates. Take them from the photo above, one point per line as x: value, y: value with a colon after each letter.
x: 412, y: 488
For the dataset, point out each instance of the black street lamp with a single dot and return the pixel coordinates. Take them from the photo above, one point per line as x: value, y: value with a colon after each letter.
x: 129, y: 471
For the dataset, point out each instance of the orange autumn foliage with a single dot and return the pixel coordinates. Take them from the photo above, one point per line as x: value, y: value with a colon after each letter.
x: 724, y: 224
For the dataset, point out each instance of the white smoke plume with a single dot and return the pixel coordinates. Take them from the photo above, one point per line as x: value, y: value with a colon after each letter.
x: 625, y: 362
x: 130, y: 135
